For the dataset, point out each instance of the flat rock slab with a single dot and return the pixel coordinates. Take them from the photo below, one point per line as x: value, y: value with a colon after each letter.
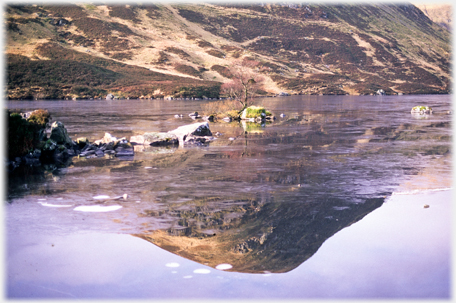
x: 195, y: 129
x: 188, y: 133
x: 196, y: 133
x: 191, y: 130
x: 155, y: 139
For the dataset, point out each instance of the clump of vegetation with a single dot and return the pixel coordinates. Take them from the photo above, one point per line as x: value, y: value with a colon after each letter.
x: 40, y: 117
x: 197, y: 92
x: 222, y: 70
x: 24, y: 135
x: 153, y: 11
x: 421, y: 110
x: 163, y: 58
x: 255, y: 112
x: 123, y: 12
x: 216, y: 53
x: 187, y: 69
x: 68, y: 11
x: 182, y: 54
x: 203, y: 43
x: 222, y: 109
x: 99, y: 29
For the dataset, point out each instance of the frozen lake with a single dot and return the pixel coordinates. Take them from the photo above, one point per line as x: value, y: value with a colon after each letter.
x: 325, y: 202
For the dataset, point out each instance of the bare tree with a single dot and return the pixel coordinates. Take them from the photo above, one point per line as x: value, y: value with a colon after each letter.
x: 245, y: 82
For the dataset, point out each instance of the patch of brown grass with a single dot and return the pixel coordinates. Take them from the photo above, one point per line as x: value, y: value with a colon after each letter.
x: 221, y: 108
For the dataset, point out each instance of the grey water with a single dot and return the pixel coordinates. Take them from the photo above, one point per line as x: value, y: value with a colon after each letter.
x: 249, y: 215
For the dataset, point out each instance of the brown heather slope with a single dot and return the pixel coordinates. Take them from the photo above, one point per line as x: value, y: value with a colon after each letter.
x: 86, y: 50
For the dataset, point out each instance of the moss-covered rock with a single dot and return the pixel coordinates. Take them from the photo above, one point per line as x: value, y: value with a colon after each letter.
x: 59, y: 134
x: 49, y: 145
x: 255, y: 112
x: 421, y: 110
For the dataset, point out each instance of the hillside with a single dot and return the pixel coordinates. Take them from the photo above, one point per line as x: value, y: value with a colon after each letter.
x: 87, y: 51
x: 441, y: 14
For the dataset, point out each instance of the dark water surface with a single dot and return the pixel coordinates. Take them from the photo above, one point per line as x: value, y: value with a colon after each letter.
x: 325, y: 202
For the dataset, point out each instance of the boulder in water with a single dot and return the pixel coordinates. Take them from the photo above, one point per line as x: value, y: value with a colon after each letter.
x: 59, y: 134
x: 193, y: 133
x: 421, y: 110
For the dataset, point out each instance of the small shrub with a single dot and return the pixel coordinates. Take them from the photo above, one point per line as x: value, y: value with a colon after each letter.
x: 220, y: 107
x: 23, y: 136
x: 234, y: 114
x: 40, y: 117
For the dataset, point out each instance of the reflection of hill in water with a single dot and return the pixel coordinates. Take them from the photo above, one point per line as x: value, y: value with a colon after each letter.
x: 272, y: 237
x: 331, y: 177
x: 265, y: 201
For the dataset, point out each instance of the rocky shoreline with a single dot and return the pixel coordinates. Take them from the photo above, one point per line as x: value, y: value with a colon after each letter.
x: 59, y: 148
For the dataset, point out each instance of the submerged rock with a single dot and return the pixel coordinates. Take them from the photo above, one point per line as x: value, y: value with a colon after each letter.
x: 194, y: 115
x: 124, y: 150
x: 107, y: 146
x: 210, y: 118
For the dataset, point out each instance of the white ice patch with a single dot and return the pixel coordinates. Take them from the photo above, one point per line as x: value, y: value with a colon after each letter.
x: 97, y: 208
x: 41, y: 199
x: 187, y: 277
x: 201, y: 271
x: 148, y: 167
x: 223, y: 266
x: 172, y: 264
x: 101, y: 197
x: 53, y: 205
